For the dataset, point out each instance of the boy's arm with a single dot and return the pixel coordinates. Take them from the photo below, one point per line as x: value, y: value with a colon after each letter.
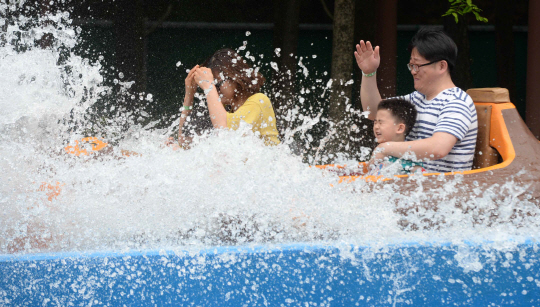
x: 432, y: 148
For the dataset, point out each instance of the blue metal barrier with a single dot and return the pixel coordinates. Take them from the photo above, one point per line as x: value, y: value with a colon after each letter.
x: 284, y: 275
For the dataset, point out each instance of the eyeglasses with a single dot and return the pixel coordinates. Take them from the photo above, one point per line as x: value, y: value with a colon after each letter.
x: 416, y: 67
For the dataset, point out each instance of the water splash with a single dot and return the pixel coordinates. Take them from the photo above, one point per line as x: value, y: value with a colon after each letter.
x: 228, y: 189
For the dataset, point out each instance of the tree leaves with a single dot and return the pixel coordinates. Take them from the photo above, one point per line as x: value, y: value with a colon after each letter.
x: 462, y: 7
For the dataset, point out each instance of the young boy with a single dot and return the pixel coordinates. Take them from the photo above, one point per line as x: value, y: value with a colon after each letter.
x: 393, y: 122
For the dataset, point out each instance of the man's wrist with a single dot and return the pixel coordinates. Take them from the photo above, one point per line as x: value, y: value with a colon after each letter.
x: 385, y: 146
x: 382, y: 150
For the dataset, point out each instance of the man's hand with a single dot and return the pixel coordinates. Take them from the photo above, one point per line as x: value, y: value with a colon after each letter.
x: 367, y: 58
x: 432, y: 148
x: 379, y: 153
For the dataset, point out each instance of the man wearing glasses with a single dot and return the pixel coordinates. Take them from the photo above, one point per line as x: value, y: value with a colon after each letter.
x: 444, y: 135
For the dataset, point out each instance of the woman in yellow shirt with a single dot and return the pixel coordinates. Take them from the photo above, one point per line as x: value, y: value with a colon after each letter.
x: 227, y: 79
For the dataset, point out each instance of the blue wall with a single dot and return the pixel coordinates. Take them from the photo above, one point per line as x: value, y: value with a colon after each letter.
x: 286, y: 275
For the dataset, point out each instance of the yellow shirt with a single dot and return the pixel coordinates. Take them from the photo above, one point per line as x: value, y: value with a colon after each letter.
x: 258, y: 112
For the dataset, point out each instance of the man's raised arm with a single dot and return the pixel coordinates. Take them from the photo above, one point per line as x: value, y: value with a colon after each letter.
x: 368, y: 61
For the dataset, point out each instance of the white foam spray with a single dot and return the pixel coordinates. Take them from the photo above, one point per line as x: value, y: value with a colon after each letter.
x: 229, y: 189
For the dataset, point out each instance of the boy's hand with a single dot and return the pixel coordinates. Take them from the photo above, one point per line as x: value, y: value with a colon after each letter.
x: 367, y: 58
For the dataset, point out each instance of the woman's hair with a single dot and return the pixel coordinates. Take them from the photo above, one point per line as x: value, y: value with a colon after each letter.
x: 402, y: 110
x: 228, y: 64
x: 435, y: 45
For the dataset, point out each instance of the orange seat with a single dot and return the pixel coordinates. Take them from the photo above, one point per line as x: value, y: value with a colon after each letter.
x: 485, y: 155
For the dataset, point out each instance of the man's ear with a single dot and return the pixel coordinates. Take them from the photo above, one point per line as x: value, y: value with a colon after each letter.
x: 443, y: 65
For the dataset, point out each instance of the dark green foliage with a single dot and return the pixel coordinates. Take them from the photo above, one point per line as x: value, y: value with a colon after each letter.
x: 462, y: 7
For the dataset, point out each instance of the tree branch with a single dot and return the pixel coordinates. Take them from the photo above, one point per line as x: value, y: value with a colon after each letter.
x: 327, y: 10
x: 161, y: 20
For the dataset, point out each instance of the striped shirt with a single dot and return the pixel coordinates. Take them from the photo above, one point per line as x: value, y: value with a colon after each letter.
x: 451, y: 111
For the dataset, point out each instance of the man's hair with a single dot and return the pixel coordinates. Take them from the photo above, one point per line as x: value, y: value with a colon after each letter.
x: 435, y: 45
x: 402, y: 110
x: 236, y: 69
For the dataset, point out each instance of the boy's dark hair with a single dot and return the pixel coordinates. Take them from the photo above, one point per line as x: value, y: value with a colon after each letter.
x: 435, y: 45
x: 236, y: 68
x: 402, y: 110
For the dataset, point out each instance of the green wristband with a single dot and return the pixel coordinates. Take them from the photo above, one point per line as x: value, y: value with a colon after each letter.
x: 369, y: 75
x: 188, y: 107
